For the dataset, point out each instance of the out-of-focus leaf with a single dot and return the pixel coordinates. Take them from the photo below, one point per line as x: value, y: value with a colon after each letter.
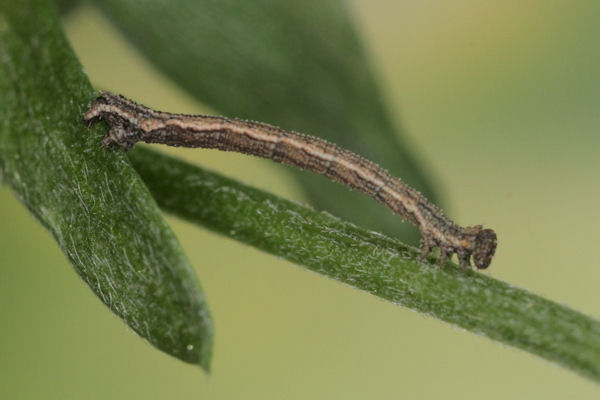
x: 64, y: 6
x: 91, y: 200
x: 297, y: 64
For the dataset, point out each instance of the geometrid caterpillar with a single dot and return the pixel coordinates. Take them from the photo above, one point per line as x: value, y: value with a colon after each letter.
x: 130, y: 123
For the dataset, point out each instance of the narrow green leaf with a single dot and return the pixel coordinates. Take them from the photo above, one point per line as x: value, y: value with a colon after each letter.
x: 372, y: 262
x: 91, y: 200
x: 297, y: 64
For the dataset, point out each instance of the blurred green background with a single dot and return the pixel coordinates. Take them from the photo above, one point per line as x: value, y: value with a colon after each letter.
x: 499, y: 100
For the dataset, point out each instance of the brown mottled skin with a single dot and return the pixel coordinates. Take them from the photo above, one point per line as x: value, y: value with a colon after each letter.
x: 130, y: 123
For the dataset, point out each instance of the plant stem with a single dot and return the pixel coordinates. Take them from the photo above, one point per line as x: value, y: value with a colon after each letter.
x: 372, y: 262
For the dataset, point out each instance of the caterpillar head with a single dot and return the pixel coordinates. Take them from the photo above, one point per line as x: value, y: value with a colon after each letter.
x: 484, y: 248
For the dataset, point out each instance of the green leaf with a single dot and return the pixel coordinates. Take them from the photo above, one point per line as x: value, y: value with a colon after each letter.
x: 372, y: 262
x: 91, y: 200
x: 294, y: 64
x: 64, y: 6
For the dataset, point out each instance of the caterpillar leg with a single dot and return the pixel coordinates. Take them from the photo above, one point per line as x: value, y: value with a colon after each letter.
x: 426, y: 245
x: 464, y: 260
x: 117, y: 136
x: 445, y: 254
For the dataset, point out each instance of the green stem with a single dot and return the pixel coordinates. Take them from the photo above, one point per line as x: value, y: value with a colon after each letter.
x: 372, y: 262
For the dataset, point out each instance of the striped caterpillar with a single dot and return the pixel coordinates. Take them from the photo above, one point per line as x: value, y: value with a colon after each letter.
x: 131, y: 122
